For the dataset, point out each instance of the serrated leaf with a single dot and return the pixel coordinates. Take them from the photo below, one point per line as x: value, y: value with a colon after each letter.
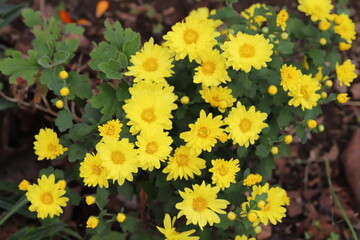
x: 110, y: 236
x: 284, y: 118
x: 265, y: 167
x: 285, y: 47
x: 122, y: 91
x: 262, y: 150
x: 111, y: 69
x: 131, y: 46
x: 102, y: 53
x: 74, y: 197
x: 59, y: 174
x: 31, y: 17
x: 101, y: 196
x: 80, y: 130
x: 72, y: 28
x: 77, y: 152
x: 317, y: 56
x: 300, y: 132
x: 60, y: 57
x: 114, y: 34
x: 106, y: 100
x: 64, y: 120
x: 80, y: 83
x: 126, y: 190
x: 129, y: 224
x: 122, y: 60
x: 45, y: 62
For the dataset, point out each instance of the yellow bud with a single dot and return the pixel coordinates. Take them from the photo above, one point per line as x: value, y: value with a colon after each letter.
x: 272, y: 90
x: 342, y: 98
x: 324, y: 95
x: 344, y: 46
x: 90, y: 200
x: 63, y: 75
x: 288, y: 139
x: 324, y: 25
x: 261, y: 204
x: 311, y: 123
x: 329, y: 83
x: 23, y: 185
x: 120, y: 217
x: 274, y: 150
x: 252, y: 217
x: 257, y: 229
x: 265, y: 29
x: 61, y: 184
x: 59, y: 104
x: 322, y: 41
x: 284, y: 35
x: 185, y: 100
x: 64, y: 91
x: 321, y: 128
x: 92, y: 222
x: 231, y: 216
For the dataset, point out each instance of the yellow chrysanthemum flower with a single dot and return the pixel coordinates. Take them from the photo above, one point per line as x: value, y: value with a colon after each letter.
x: 342, y: 98
x: 318, y: 10
x: 190, y: 37
x: 150, y: 106
x: 46, y: 198
x: 258, y: 20
x: 47, y: 145
x: 203, y: 14
x: 153, y: 63
x: 200, y: 205
x: 121, y: 217
x: 224, y: 172
x: 154, y: 147
x: 324, y: 25
x: 289, y: 76
x: 111, y: 129
x: 245, y: 51
x: 92, y: 222
x: 170, y: 232
x: 345, y: 28
x: 281, y: 19
x: 93, y: 172
x: 243, y: 237
x: 252, y: 179
x: 184, y: 164
x: 23, y: 185
x: 345, y: 73
x: 304, y: 93
x: 212, y: 70
x: 203, y: 133
x: 119, y: 158
x: 219, y: 97
x: 245, y: 126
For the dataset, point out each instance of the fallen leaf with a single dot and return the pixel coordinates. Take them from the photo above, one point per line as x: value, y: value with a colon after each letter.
x: 65, y: 17
x: 101, y: 8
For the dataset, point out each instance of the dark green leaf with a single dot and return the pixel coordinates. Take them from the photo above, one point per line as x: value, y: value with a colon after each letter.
x: 122, y: 91
x: 129, y: 224
x: 102, y: 53
x: 77, y: 152
x: 262, y: 150
x: 101, y: 196
x: 110, y: 236
x: 126, y: 190
x: 111, y: 69
x: 74, y: 197
x: 106, y: 100
x: 64, y: 120
x: 79, y: 85
x: 317, y: 55
x: 284, y: 118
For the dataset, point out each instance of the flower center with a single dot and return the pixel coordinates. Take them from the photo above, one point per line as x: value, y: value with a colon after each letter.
x: 203, y: 132
x: 150, y: 65
x: 190, y: 36
x: 317, y: 8
x: 247, y: 51
x: 110, y: 130
x: 182, y: 160
x: 208, y: 68
x: 52, y: 147
x: 46, y: 198
x: 266, y: 207
x: 117, y: 157
x: 148, y: 115
x: 199, y: 204
x: 304, y: 92
x: 223, y: 170
x: 245, y: 125
x: 151, y: 147
x: 96, y: 169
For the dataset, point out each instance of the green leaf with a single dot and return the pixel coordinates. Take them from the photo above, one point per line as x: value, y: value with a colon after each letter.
x: 74, y: 197
x: 317, y: 55
x: 79, y: 85
x: 101, y: 196
x: 72, y: 28
x: 77, y: 152
x: 122, y: 60
x: 301, y: 133
x: 111, y: 69
x: 110, y: 236
x: 224, y: 223
x: 114, y: 33
x: 4, y: 104
x: 122, y: 91
x: 262, y: 150
x: 64, y: 120
x: 129, y: 224
x: 126, y: 190
x: 131, y: 46
x: 285, y: 47
x: 60, y: 57
x: 242, y: 151
x: 106, y: 100
x: 59, y: 174
x: 284, y: 118
x: 80, y: 130
x: 265, y: 167
x: 31, y: 17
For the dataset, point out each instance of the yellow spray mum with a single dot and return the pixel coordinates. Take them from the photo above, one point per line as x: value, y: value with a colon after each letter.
x: 184, y: 164
x: 318, y: 10
x: 93, y: 172
x: 245, y: 51
x: 110, y: 129
x: 224, y: 172
x: 212, y: 70
x: 252, y: 179
x: 345, y: 28
x: 281, y: 19
x: 304, y: 93
x: 255, y: 21
x: 92, y: 222
x: 46, y: 198
x: 153, y: 63
x: 47, y: 145
x: 203, y: 14
x: 204, y: 132
x: 345, y: 73
x: 170, y: 232
x: 342, y: 97
x: 290, y: 75
x: 200, y: 205
x: 219, y: 97
x: 244, y: 126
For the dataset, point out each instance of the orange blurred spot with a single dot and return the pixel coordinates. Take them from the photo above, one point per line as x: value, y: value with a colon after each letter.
x: 65, y: 17
x: 101, y: 7
x: 83, y: 22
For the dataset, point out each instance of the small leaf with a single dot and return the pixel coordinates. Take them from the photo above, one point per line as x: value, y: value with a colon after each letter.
x: 111, y: 69
x: 64, y: 120
x: 72, y: 28
x: 77, y: 152
x: 262, y: 150
x: 129, y: 224
x: 284, y: 118
x: 122, y: 91
x: 106, y: 100
x: 101, y: 196
x: 31, y: 17
x: 317, y: 56
x: 122, y: 60
x: 60, y: 57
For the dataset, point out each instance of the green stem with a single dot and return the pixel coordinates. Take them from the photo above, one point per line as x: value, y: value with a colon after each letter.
x: 337, y: 201
x: 19, y: 204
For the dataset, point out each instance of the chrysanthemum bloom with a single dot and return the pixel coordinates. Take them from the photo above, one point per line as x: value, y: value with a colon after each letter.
x: 203, y: 14
x: 252, y: 179
x: 203, y: 133
x: 184, y: 164
x: 224, y: 172
x: 346, y: 28
x: 47, y: 145
x: 219, y: 97
x: 318, y: 10
x: 304, y: 93
x: 170, y: 232
x: 345, y: 73
x: 289, y: 76
x: 190, y: 37
x: 90, y: 200
x: 324, y: 25
x: 119, y: 158
x: 23, y: 185
x: 344, y: 46
x: 212, y: 70
x: 150, y: 106
x: 243, y: 237
x: 154, y: 147
x: 46, y: 198
x: 342, y: 97
x: 111, y: 129
x: 153, y: 63
x: 272, y: 209
x: 244, y: 126
x: 92, y: 222
x: 245, y: 51
x: 281, y: 19
x: 258, y: 20
x: 93, y: 172
x: 200, y: 205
